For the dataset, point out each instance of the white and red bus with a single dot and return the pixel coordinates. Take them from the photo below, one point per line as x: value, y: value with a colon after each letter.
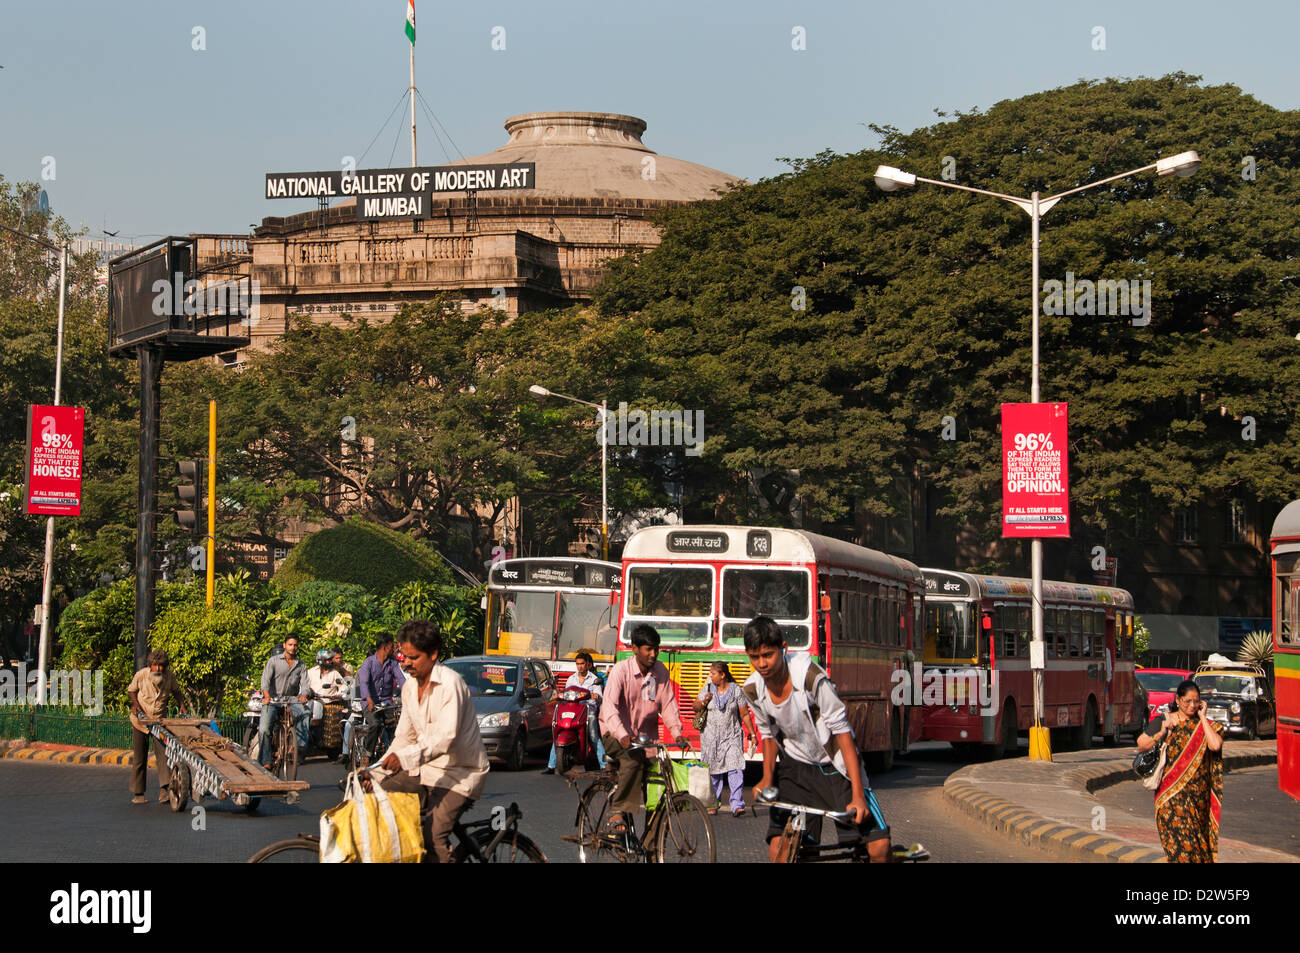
x: 977, y: 634
x: 856, y: 610
x: 552, y: 608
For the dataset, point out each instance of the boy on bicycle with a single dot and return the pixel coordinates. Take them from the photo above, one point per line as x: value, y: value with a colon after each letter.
x: 798, y: 712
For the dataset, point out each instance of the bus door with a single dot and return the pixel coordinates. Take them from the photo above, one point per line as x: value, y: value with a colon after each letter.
x: 1109, y: 655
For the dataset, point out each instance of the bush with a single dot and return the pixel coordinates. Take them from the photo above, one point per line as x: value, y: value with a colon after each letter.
x: 207, y: 648
x: 364, y: 554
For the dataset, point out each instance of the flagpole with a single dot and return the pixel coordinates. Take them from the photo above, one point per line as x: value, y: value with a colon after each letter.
x: 413, y: 162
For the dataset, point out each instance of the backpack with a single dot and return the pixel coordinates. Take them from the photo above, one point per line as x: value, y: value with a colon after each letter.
x: 809, y: 687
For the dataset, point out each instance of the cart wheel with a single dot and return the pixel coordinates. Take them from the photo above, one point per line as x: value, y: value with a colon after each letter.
x: 251, y: 806
x: 180, y: 787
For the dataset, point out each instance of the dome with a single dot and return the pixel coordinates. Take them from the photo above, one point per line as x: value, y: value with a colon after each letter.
x: 600, y: 155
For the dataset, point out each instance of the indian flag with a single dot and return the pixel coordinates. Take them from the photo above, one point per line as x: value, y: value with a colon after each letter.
x: 410, y: 20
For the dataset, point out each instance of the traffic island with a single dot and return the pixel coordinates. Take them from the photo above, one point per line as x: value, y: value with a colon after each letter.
x: 1050, y: 806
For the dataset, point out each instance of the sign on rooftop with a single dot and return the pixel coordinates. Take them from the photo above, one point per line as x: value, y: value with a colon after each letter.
x: 399, y: 193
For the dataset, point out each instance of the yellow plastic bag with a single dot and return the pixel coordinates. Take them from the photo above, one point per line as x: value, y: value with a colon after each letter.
x: 378, y: 828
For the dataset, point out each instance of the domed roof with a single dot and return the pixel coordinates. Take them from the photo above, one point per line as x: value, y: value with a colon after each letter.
x: 600, y: 155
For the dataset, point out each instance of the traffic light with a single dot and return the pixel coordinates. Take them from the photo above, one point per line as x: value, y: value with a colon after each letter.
x: 189, y: 491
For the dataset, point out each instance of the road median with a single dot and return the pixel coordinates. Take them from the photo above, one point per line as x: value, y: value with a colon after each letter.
x: 1050, y: 806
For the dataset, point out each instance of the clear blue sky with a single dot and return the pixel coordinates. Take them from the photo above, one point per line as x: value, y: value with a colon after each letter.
x: 151, y: 136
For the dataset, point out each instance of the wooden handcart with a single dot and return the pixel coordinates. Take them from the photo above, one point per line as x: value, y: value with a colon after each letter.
x: 206, y: 764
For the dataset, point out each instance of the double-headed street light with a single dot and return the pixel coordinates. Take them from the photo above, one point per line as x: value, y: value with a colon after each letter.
x: 891, y: 179
x: 541, y: 391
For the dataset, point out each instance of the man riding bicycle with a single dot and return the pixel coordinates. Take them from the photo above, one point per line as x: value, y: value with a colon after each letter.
x: 284, y: 676
x: 379, y: 680
x: 437, y: 751
x: 637, y: 692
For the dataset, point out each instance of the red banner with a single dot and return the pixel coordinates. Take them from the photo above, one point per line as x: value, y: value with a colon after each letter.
x: 54, y: 444
x: 1035, y: 471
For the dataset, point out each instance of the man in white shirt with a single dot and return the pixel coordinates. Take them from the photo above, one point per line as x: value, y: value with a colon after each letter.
x: 437, y: 751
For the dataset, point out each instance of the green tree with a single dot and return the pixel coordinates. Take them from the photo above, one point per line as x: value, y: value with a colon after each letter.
x: 916, y: 309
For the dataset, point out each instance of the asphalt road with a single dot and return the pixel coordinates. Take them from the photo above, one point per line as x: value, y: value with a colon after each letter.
x: 76, y: 813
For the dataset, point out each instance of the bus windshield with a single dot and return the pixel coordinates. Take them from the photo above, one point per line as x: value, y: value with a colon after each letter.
x: 680, y: 594
x: 782, y: 594
x: 586, y: 622
x: 522, y: 623
x: 949, y: 633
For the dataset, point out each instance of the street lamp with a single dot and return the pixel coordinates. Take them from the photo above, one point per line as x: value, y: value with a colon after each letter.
x: 541, y: 391
x: 890, y: 179
x: 43, y: 656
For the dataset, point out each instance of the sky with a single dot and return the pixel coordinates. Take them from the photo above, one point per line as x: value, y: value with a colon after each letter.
x: 150, y: 118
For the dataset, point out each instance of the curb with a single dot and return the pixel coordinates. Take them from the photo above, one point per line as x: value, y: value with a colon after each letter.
x: 1068, y: 841
x: 66, y: 754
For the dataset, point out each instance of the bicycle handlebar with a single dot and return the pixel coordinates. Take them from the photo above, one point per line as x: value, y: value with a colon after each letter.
x: 769, y: 797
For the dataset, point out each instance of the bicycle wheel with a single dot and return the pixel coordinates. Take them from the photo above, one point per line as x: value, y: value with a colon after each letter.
x: 595, y: 844
x: 299, y: 850
x: 286, y: 751
x: 685, y: 832
x: 513, y: 849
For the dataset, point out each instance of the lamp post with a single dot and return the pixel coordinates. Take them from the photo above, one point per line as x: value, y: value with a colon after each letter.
x: 541, y: 391
x: 890, y: 179
x: 47, y: 585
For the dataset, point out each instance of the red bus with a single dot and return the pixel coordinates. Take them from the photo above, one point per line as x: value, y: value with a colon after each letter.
x: 856, y: 610
x: 977, y: 687
x: 1285, y: 545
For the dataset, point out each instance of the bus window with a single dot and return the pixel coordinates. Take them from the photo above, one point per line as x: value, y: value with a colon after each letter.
x: 1076, y: 632
x: 586, y: 621
x: 676, y: 600
x: 1005, y: 620
x: 949, y: 633
x: 1287, y: 624
x: 527, y: 624
x: 1025, y: 618
x: 1049, y: 632
x: 782, y: 594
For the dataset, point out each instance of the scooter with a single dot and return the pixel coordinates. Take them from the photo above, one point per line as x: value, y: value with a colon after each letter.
x: 569, y: 726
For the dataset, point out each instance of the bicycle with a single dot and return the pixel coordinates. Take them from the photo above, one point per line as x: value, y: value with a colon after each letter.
x: 493, y: 840
x: 284, y: 763
x: 798, y: 847
x: 677, y: 830
x: 361, y: 754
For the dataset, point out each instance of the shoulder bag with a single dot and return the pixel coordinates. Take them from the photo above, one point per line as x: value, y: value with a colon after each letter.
x: 1149, y: 766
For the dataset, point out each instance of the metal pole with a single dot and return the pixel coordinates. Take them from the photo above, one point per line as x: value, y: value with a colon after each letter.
x: 1039, y: 745
x: 47, y: 585
x: 413, y: 162
x: 146, y: 520
x: 604, y: 493
x: 212, y: 496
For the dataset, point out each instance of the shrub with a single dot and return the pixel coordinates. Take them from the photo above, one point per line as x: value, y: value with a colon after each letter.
x: 365, y: 554
x: 208, y: 648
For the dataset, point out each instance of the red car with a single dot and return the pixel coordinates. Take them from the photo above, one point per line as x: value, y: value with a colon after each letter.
x: 1161, y: 684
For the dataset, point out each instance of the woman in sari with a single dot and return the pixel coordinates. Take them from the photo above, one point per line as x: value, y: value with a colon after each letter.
x: 1189, y: 799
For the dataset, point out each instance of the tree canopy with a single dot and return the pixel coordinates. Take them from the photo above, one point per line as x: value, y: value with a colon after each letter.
x: 918, y: 307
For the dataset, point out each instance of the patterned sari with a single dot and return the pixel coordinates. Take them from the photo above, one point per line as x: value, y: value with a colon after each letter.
x: 1188, y: 801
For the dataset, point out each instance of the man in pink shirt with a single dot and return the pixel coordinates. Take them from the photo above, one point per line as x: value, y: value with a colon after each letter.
x: 637, y: 692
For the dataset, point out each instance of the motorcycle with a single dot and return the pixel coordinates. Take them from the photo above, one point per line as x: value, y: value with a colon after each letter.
x: 324, y: 737
x: 359, y: 753
x: 569, y: 728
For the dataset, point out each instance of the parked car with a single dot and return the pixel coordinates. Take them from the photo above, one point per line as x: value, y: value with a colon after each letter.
x: 1161, y: 684
x: 514, y: 699
x: 1237, y: 695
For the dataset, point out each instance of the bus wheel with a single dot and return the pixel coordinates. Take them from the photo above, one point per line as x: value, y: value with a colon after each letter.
x: 964, y: 750
x: 879, y: 761
x: 1010, y: 731
x: 1087, y: 729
